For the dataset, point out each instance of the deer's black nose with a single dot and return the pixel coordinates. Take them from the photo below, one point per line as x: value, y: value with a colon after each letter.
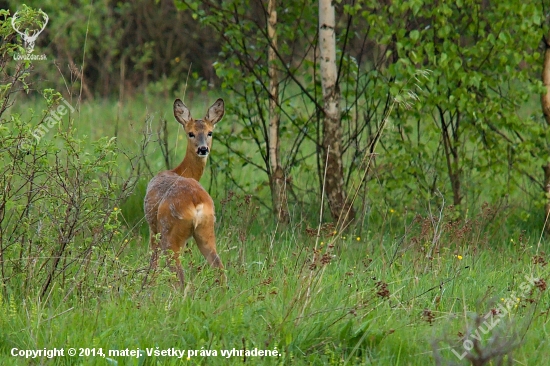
x: 203, y: 150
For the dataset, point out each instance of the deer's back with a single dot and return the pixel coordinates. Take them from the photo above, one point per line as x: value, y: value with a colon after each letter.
x: 178, y: 197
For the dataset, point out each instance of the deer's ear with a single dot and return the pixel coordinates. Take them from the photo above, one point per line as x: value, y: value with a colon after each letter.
x: 215, y: 112
x: 181, y: 112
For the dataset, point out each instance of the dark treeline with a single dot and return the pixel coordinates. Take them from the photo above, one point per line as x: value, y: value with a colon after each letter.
x: 123, y: 46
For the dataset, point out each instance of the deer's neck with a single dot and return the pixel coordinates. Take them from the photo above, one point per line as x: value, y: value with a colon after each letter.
x: 191, y: 167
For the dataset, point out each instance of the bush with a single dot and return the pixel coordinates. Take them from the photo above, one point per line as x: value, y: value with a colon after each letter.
x: 59, y: 203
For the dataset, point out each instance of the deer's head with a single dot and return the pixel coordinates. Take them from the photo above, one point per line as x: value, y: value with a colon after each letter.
x: 199, y: 131
x: 30, y: 35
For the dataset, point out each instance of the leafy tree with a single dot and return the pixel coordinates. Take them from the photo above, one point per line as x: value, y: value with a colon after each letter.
x: 59, y: 201
x: 268, y: 114
x: 277, y: 177
x: 466, y: 125
x: 332, y: 130
x: 545, y: 102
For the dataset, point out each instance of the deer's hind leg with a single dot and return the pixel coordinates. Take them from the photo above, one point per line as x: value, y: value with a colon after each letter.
x: 175, y: 239
x: 206, y: 241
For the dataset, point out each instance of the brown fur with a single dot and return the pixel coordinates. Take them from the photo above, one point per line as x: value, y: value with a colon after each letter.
x: 176, y: 205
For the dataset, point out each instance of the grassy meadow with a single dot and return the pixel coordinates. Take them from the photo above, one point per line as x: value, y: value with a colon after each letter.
x: 407, y: 287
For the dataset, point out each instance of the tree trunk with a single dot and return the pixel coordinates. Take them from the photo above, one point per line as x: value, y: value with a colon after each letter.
x: 276, y: 177
x: 546, y: 169
x: 545, y: 101
x: 452, y: 159
x: 341, y: 210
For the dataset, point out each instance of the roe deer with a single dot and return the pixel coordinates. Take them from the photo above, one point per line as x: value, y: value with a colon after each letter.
x: 176, y: 205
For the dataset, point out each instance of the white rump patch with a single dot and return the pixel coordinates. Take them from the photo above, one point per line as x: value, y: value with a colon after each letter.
x: 198, y: 215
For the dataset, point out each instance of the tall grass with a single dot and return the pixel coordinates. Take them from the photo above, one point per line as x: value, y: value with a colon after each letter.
x: 381, y: 298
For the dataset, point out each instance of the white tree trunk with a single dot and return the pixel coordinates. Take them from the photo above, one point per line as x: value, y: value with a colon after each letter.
x: 545, y: 98
x: 341, y: 210
x: 545, y: 102
x: 327, y: 61
x: 277, y: 176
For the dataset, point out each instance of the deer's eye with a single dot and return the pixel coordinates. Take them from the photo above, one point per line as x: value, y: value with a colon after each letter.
x: 210, y: 133
x: 191, y: 134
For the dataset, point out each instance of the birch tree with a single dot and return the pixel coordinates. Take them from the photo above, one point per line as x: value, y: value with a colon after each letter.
x: 340, y: 209
x: 277, y: 176
x: 545, y: 101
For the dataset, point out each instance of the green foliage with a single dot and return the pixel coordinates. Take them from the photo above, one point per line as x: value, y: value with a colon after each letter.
x: 472, y: 135
x: 59, y: 220
x: 465, y: 130
x: 69, y: 217
x: 243, y: 70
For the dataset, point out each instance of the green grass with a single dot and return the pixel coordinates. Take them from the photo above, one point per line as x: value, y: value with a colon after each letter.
x: 346, y: 316
x: 382, y: 294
